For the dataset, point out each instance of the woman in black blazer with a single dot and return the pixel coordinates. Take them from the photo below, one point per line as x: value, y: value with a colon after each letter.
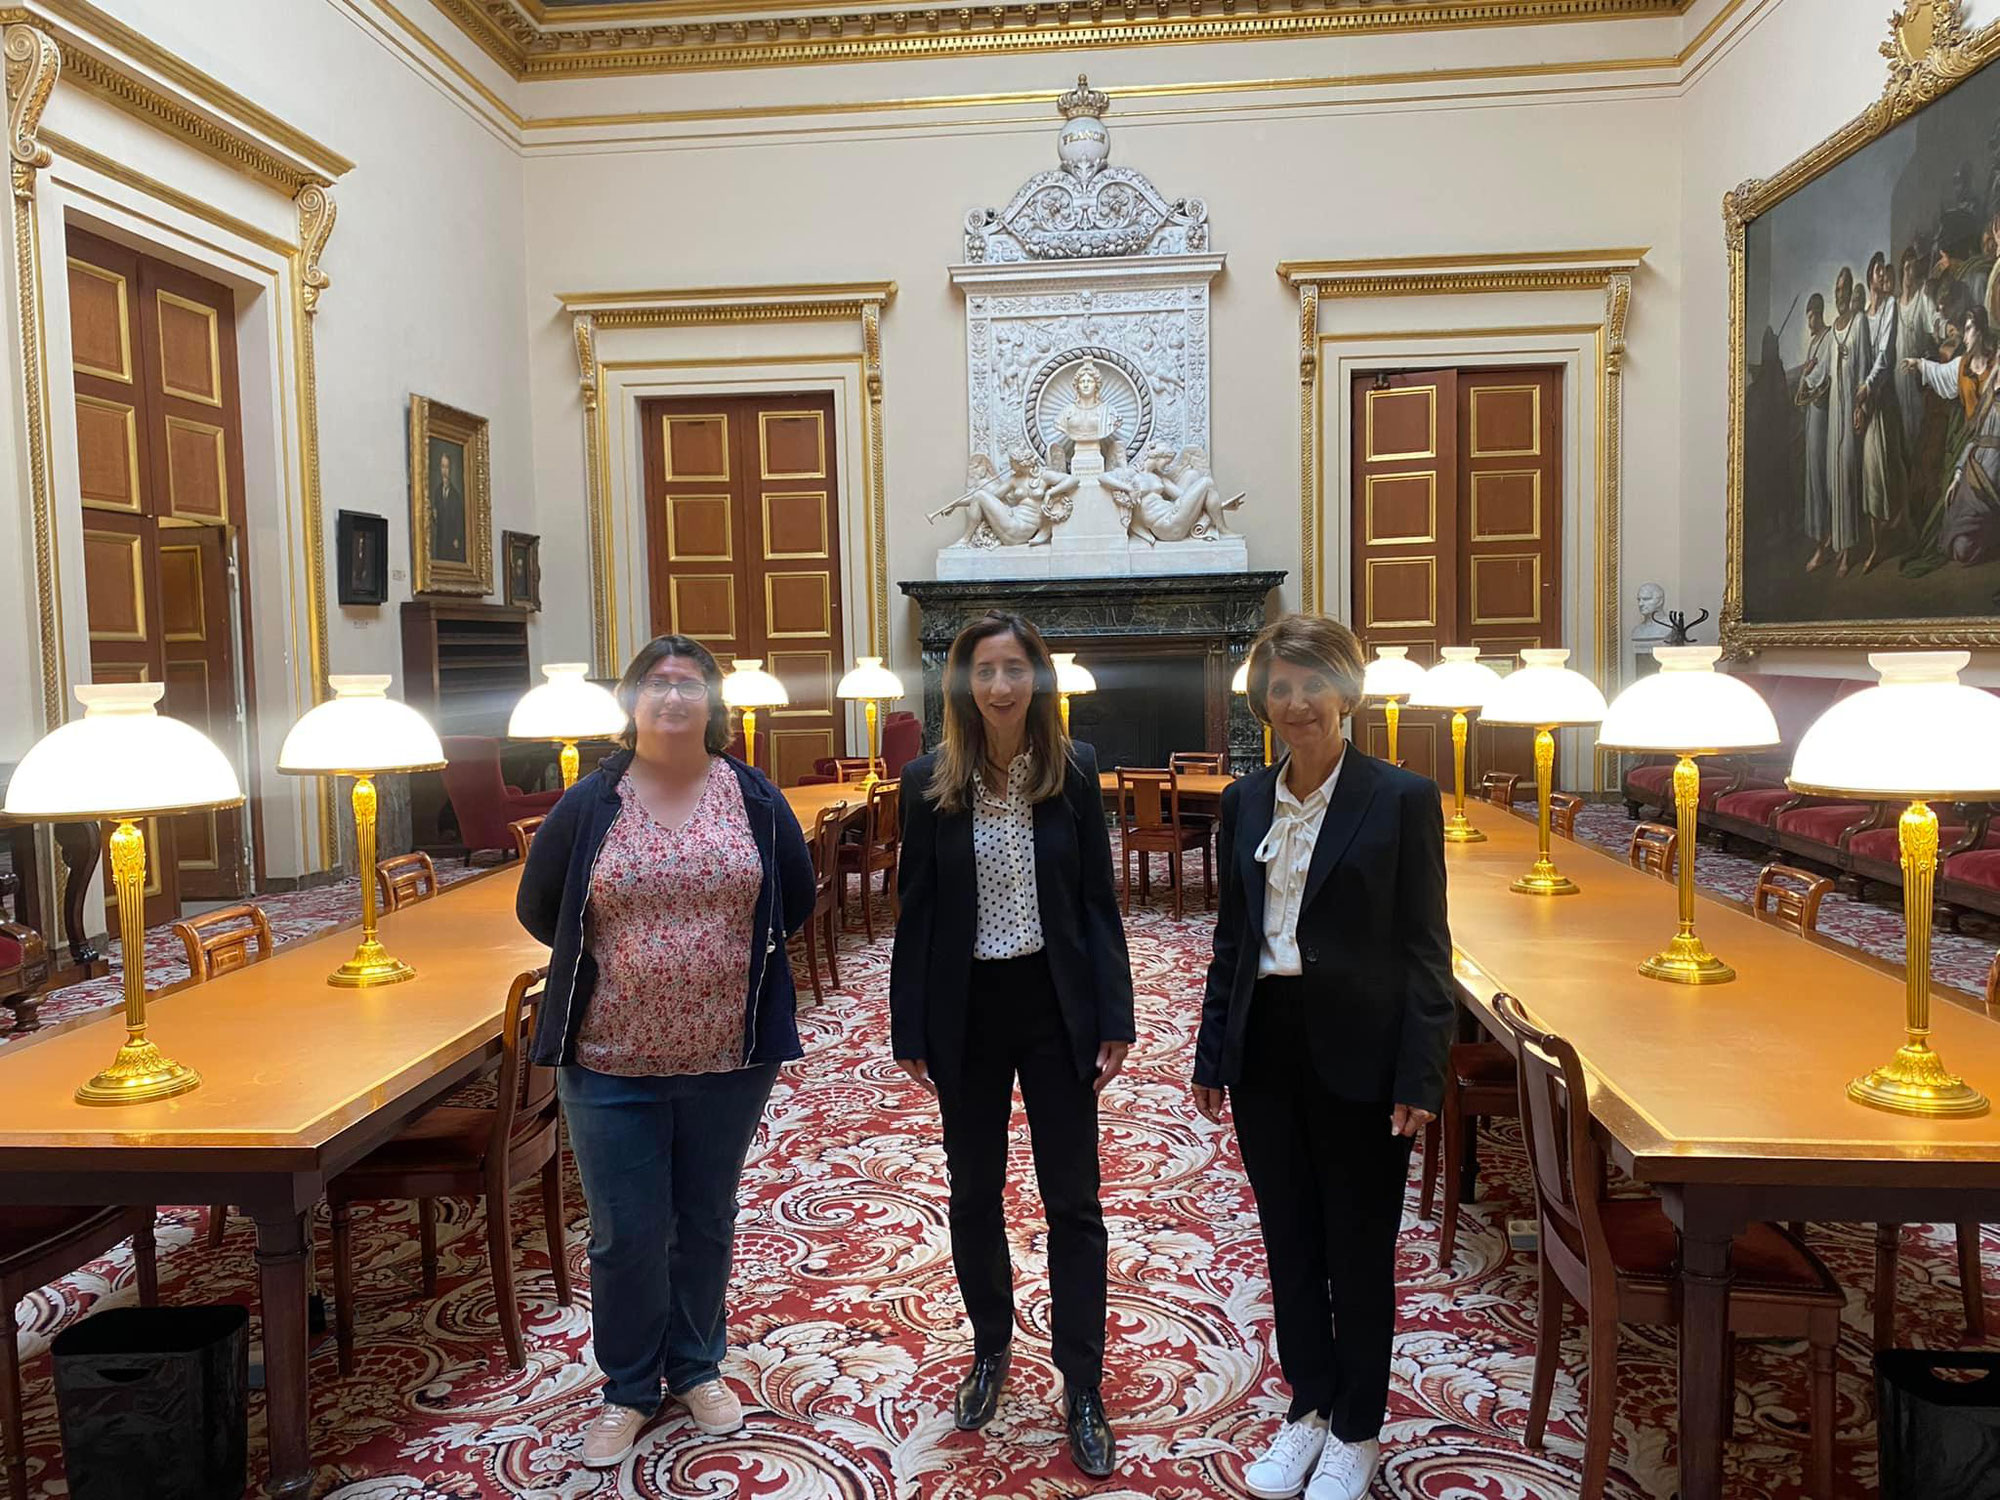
x: 1010, y: 960
x: 1328, y: 1020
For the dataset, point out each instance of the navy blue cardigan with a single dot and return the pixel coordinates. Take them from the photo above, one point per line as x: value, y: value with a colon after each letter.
x: 555, y: 889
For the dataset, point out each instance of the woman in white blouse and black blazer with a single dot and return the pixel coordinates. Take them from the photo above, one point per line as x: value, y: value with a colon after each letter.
x: 1328, y: 1020
x: 1010, y: 961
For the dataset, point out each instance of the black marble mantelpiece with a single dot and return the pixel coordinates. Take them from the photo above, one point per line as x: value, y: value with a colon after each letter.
x: 1214, y: 614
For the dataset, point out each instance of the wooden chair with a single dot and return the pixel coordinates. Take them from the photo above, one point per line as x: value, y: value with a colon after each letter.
x: 851, y: 767
x: 523, y: 830
x: 468, y: 1153
x: 1789, y: 897
x: 1993, y: 985
x: 1498, y: 787
x: 1654, y: 849
x: 1479, y: 1084
x: 1563, y: 808
x: 405, y: 879
x: 41, y: 1245
x: 826, y: 898
x: 1202, y: 762
x: 1150, y: 821
x: 1618, y: 1260
x: 881, y: 841
x: 219, y: 942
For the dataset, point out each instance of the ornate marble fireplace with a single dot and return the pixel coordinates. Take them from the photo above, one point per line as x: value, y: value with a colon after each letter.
x: 1170, y: 646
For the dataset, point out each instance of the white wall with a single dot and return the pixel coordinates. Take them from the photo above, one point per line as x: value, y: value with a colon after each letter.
x: 1799, y: 72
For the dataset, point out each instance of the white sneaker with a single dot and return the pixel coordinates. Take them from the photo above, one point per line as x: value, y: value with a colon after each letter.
x: 1344, y: 1470
x: 613, y: 1434
x: 714, y: 1407
x: 1282, y: 1471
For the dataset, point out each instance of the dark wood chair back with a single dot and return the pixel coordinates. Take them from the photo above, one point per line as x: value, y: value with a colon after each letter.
x: 405, y: 879
x: 1563, y: 808
x: 1993, y: 985
x: 884, y: 831
x: 827, y: 829
x: 1564, y: 1159
x: 1203, y: 762
x: 1498, y: 787
x: 851, y: 767
x: 1149, y: 806
x: 1654, y: 848
x: 523, y: 830
x: 526, y: 1108
x: 1789, y: 897
x: 220, y: 941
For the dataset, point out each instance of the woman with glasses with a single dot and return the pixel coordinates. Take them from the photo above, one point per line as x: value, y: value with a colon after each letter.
x: 666, y: 883
x: 1010, y: 962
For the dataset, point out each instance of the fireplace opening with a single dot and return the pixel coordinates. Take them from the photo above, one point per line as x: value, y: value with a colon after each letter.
x: 1148, y: 704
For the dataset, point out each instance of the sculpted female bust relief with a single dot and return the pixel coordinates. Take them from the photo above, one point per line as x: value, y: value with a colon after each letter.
x: 1088, y: 419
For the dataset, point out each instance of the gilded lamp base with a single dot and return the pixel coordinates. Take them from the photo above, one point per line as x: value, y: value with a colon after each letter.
x: 371, y: 965
x: 139, y: 1072
x: 1686, y: 960
x: 1459, y: 831
x: 1544, y: 880
x: 1914, y: 1082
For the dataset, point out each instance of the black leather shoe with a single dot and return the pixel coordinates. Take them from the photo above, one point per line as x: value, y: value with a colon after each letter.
x: 1090, y: 1441
x: 979, y: 1393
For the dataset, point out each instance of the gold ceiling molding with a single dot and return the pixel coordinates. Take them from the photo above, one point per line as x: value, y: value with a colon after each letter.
x: 591, y: 313
x: 675, y: 36
x: 1447, y: 275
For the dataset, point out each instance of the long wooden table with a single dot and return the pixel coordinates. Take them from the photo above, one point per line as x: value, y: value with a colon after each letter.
x: 807, y: 802
x: 1730, y: 1100
x: 299, y: 1081
x: 1204, y: 787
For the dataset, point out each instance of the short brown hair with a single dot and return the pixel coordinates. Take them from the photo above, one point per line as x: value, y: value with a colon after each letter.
x: 716, y: 737
x: 1317, y: 641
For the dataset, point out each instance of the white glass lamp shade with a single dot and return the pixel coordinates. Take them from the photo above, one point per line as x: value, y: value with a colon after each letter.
x: 1688, y: 708
x: 568, y: 706
x: 1240, y: 683
x: 870, y: 679
x: 1392, y: 674
x: 1070, y: 677
x: 1543, y: 693
x: 360, y: 730
x: 122, y: 759
x: 748, y: 685
x: 1919, y: 734
x: 1460, y: 681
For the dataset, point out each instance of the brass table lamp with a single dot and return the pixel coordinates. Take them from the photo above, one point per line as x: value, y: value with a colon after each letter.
x: 1544, y: 695
x: 566, y: 708
x: 749, y: 687
x: 1919, y: 736
x: 1391, y: 678
x: 1462, y: 683
x: 874, y: 684
x: 362, y: 732
x: 1240, y: 683
x: 1070, y: 678
x: 123, y: 762
x: 1686, y: 709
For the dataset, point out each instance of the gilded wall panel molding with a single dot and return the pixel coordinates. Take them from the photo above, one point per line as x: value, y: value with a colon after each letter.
x: 316, y: 215
x: 1309, y: 589
x: 597, y: 497
x: 878, y: 519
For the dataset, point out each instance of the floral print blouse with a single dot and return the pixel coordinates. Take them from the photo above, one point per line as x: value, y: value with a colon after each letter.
x: 670, y: 914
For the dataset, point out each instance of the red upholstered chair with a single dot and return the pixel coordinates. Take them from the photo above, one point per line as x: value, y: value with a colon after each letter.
x: 480, y: 797
x: 24, y: 969
x: 902, y: 741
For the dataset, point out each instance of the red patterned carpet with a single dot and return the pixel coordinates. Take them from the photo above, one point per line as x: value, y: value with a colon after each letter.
x: 846, y: 1335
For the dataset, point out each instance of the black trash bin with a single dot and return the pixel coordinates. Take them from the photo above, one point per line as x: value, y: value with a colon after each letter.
x: 154, y: 1401
x: 1939, y: 1428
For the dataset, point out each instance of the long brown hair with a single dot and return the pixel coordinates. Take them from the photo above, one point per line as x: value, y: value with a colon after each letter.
x: 964, y: 747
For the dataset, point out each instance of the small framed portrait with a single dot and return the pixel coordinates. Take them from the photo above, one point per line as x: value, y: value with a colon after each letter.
x: 451, y: 500
x: 521, y: 567
x: 361, y: 542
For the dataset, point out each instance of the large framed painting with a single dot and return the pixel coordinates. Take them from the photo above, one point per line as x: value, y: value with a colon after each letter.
x: 1864, y: 454
x: 451, y: 500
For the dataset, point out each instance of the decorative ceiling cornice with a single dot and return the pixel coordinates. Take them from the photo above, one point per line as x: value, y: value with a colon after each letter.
x: 1434, y: 275
x: 538, y: 42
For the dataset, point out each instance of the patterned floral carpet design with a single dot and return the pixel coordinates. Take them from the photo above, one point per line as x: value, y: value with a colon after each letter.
x: 847, y: 1337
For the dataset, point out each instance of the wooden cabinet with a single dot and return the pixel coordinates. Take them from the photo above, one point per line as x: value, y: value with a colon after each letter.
x: 465, y: 666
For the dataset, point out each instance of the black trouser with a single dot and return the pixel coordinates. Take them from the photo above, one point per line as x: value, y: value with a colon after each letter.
x: 1014, y: 1026
x: 1329, y: 1179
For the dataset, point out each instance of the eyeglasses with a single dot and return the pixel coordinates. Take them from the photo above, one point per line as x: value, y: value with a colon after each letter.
x: 688, y: 689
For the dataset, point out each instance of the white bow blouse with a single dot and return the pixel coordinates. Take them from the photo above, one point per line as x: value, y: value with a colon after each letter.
x: 1286, y: 855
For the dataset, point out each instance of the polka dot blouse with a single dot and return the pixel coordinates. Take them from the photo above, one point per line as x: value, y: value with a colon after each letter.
x: 1003, y: 850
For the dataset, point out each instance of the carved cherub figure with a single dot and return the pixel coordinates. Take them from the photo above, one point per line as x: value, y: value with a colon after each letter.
x: 1020, y: 508
x: 1165, y: 498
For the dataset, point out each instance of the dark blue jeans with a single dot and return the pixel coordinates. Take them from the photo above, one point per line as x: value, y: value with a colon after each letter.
x: 660, y: 1160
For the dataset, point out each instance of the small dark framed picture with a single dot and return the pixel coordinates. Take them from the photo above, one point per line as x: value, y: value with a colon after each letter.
x: 362, y: 543
x: 523, y: 570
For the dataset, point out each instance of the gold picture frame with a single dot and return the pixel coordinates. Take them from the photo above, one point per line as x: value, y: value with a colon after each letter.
x: 1930, y: 51
x: 451, y: 500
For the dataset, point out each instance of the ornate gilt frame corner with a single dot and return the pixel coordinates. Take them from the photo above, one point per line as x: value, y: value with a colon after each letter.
x: 474, y: 577
x: 1930, y: 51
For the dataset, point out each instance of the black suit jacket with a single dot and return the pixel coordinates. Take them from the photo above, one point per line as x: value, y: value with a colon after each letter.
x: 937, y: 882
x: 1374, y: 947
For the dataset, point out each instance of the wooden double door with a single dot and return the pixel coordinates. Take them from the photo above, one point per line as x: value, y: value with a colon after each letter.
x: 743, y: 541
x: 1457, y: 537
x: 159, y: 445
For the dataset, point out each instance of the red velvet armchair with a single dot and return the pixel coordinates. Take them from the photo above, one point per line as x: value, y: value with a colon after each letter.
x: 902, y: 742
x: 481, y: 799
